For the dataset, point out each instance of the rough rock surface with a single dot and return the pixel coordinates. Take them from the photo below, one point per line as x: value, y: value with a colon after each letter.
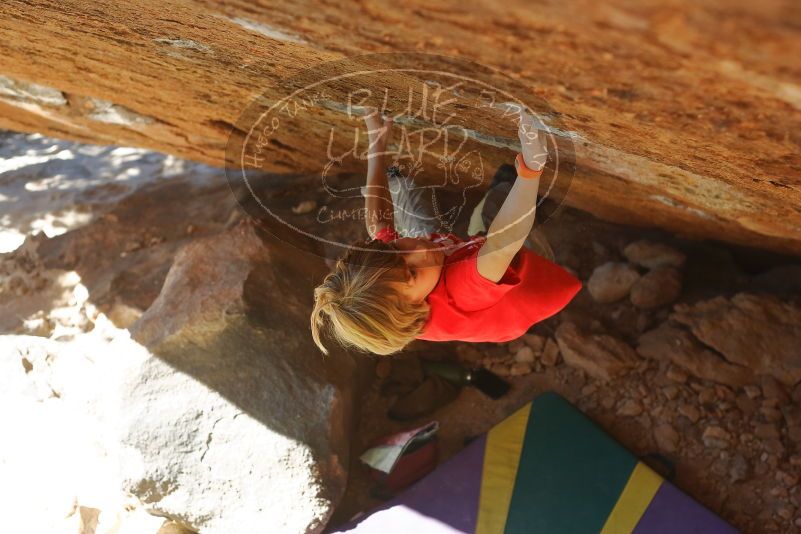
x: 670, y: 343
x: 685, y: 117
x: 653, y: 255
x: 600, y: 356
x: 248, y: 413
x: 760, y: 332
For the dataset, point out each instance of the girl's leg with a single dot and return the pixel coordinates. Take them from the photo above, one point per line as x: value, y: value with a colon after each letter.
x: 488, y: 208
x: 413, y: 212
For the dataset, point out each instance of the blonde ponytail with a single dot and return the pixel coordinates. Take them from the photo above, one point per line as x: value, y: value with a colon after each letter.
x: 359, y: 304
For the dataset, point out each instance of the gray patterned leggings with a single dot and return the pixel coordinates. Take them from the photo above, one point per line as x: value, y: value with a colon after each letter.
x: 420, y: 211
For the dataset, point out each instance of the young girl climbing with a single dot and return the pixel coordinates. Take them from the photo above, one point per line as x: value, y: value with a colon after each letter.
x: 412, y: 281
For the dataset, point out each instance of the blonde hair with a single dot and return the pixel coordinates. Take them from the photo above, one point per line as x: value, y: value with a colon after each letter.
x: 364, y: 310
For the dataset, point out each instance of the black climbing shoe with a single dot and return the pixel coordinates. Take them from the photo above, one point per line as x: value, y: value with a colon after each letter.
x: 506, y: 173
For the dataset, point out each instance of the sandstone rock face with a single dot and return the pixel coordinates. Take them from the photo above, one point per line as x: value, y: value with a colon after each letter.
x: 600, y: 356
x: 612, y: 281
x: 237, y: 424
x: 759, y: 332
x: 694, y: 128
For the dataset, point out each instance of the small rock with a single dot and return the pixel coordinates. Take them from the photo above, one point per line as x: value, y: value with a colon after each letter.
x: 794, y: 433
x: 719, y: 468
x: 690, y: 412
x: 612, y: 281
x: 589, y: 389
x: 514, y: 346
x: 766, y: 431
x: 724, y: 393
x: 550, y: 354
x: 670, y: 392
x: 525, y: 355
x: 739, y: 468
x: 707, y: 396
x: 752, y: 391
x: 667, y: 439
x: 773, y: 389
x: 501, y: 369
x: 657, y: 288
x: 496, y: 354
x: 677, y: 375
x: 519, y: 369
x: 715, y: 436
x: 600, y: 356
x: 304, y: 207
x: 629, y: 408
x: 534, y: 341
x: 653, y: 255
x: 608, y: 402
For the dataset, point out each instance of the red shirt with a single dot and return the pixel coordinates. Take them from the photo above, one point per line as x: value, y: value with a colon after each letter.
x: 465, y: 306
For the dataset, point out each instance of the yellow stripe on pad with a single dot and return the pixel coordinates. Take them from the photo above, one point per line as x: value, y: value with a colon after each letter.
x: 501, y: 458
x: 634, y: 500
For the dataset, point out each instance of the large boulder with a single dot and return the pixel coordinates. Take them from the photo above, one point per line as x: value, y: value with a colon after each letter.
x: 759, y: 332
x: 175, y: 76
x: 236, y: 423
x: 61, y: 460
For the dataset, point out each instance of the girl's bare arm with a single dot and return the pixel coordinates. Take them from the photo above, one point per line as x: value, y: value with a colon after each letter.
x: 377, y: 199
x: 514, y: 220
